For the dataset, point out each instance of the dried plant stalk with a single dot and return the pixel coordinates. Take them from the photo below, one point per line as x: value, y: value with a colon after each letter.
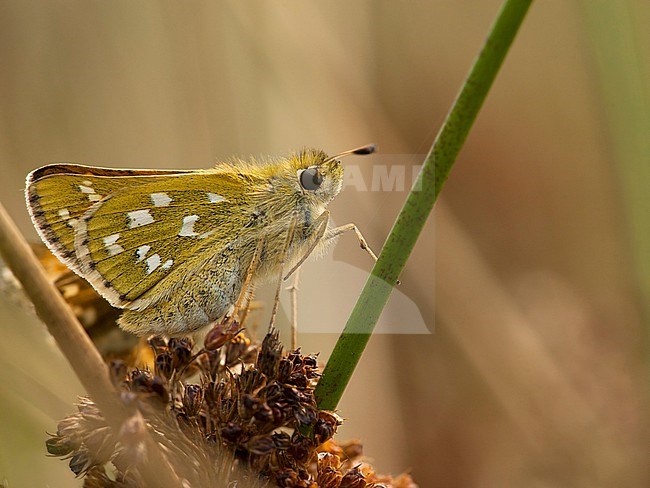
x: 76, y: 345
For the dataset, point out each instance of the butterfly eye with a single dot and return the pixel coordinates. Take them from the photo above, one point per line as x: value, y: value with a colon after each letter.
x: 311, y: 179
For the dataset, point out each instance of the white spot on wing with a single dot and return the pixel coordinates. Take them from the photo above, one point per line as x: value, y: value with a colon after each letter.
x: 90, y: 192
x: 114, y: 249
x: 64, y: 213
x: 142, y: 252
x: 139, y: 218
x: 187, y: 230
x: 214, y: 198
x: 112, y: 239
x: 111, y: 247
x: 167, y: 264
x: 160, y: 199
x: 87, y: 182
x: 153, y: 262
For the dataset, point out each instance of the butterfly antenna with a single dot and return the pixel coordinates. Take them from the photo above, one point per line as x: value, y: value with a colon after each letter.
x: 359, y: 151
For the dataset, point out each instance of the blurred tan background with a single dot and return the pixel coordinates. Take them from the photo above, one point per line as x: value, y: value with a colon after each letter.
x: 535, y: 373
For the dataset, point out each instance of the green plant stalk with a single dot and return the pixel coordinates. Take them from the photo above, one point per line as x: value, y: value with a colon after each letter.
x: 418, y: 205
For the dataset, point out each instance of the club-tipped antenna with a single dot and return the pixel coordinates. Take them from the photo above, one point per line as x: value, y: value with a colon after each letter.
x: 359, y: 151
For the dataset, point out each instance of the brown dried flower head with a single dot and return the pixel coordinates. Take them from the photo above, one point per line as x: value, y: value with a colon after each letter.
x: 233, y: 410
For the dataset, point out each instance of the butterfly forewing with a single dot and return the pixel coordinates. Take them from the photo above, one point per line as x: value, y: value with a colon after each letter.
x: 58, y: 194
x: 127, y: 234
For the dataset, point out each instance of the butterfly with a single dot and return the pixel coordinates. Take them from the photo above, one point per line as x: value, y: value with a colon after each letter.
x: 174, y: 248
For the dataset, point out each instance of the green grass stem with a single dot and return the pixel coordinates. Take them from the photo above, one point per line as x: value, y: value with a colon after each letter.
x: 418, y: 205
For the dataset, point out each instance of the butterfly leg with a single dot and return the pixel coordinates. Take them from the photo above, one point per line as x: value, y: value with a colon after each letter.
x: 337, y: 231
x: 243, y: 295
x: 321, y: 228
x: 293, y: 291
x: 285, y: 250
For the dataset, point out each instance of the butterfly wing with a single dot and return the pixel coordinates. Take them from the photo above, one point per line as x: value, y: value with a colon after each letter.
x: 59, y: 194
x: 139, y: 230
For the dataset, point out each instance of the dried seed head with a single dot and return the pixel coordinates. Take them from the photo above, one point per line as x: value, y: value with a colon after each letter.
x: 352, y: 449
x: 329, y: 478
x: 181, y: 350
x: 251, y: 399
x: 323, y: 431
x: 353, y: 479
x: 79, y: 463
x: 164, y: 364
x: 264, y: 416
x: 326, y: 426
x: 68, y: 433
x: 157, y: 344
x: 232, y: 432
x: 192, y: 400
x: 301, y: 447
x: 220, y: 334
x: 282, y: 440
x: 140, y: 381
x: 304, y: 415
x: 270, y: 353
x: 287, y: 478
x: 328, y: 469
x: 238, y: 349
x: 250, y: 380
x: 97, y: 478
x: 261, y: 445
x: 60, y: 446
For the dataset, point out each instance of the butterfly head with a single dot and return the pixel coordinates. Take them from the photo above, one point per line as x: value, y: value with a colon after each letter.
x: 319, y: 177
